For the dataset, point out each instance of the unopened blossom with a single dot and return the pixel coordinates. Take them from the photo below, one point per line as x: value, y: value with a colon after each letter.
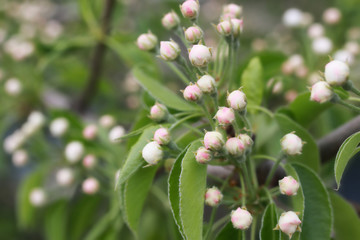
x: 89, y: 161
x: 293, y: 17
x: 147, y: 41
x: 332, y: 16
x: 241, y: 219
x: 192, y: 93
x: 169, y: 50
x: 237, y: 26
x: 291, y: 144
x: 90, y: 132
x: 213, y: 140
x: 288, y: 186
x: 316, y: 30
x: 38, y: 197
x: 235, y: 146
x: 203, y: 155
x: 289, y: 223
x: 65, y: 176
x: 193, y: 34
x: 36, y: 119
x: 352, y: 47
x: 190, y: 9
x: 344, y: 56
x: 158, y: 112
x: 336, y: 73
x: 13, y: 87
x: 233, y: 9
x: 237, y: 100
x: 74, y: 151
x: 246, y: 139
x: 200, y: 55
x: 59, y: 126
x: 321, y: 92
x: 213, y: 196
x: 206, y: 84
x: 170, y: 20
x: 224, y: 28
x: 225, y: 115
x: 116, y: 133
x: 162, y: 136
x: 322, y: 45
x: 20, y: 158
x: 152, y: 153
x: 107, y: 121
x: 90, y: 186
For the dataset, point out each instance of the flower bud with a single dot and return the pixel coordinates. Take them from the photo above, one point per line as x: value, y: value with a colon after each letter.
x: 107, y: 121
x: 65, y: 177
x: 74, y: 151
x: 190, y: 9
x: 352, y: 47
x: 233, y: 9
x: 316, y: 30
x: 20, y: 158
x: 291, y: 144
x: 288, y: 223
x: 336, y: 73
x: 192, y: 93
x: 206, y: 84
x: 36, y: 120
x: 37, y: 197
x: 322, y: 45
x: 321, y: 92
x: 237, y: 100
x: 169, y: 50
x: 224, y: 28
x: 200, y: 55
x: 13, y: 87
x: 59, y: 126
x: 293, y: 17
x: 332, y: 16
x: 170, y: 20
x: 116, y: 133
x: 235, y: 146
x: 90, y: 132
x: 288, y: 186
x: 158, y: 112
x: 162, y: 136
x: 89, y: 161
x: 237, y: 26
x: 152, y: 153
x: 225, y: 115
x: 241, y: 219
x: 344, y: 56
x: 246, y: 139
x: 213, y: 196
x: 193, y: 34
x: 203, y: 155
x: 146, y: 41
x: 213, y: 140
x: 90, y: 186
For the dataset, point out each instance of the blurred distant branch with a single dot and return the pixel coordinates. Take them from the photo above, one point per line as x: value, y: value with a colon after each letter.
x: 96, y: 65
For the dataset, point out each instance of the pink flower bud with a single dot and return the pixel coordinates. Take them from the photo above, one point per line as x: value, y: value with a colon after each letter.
x: 158, y: 112
x: 246, y: 139
x: 107, y: 121
x: 235, y: 146
x: 200, y: 55
x: 203, y: 155
x: 38, y: 197
x: 65, y: 177
x: 288, y: 186
x: 193, y: 34
x: 74, y: 151
x: 169, y: 50
x: 336, y: 72
x: 206, y: 84
x: 332, y: 16
x: 227, y: 16
x: 291, y: 144
x: 316, y: 30
x: 233, y: 9
x: 241, y: 219
x: 237, y: 26
x: 213, y: 196
x: 162, y: 136
x: 170, y: 20
x: 89, y: 161
x: 146, y: 41
x: 225, y: 115
x: 288, y: 223
x: 213, y: 140
x: 321, y: 92
x: 224, y: 28
x: 152, y: 153
x: 237, y: 100
x: 90, y: 132
x: 20, y: 158
x: 90, y: 186
x: 190, y: 9
x: 192, y: 93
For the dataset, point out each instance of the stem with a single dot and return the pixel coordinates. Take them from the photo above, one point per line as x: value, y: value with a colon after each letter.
x: 264, y: 110
x: 253, y: 228
x: 243, y: 193
x: 348, y: 105
x: 177, y: 123
x: 220, y: 222
x: 207, y: 114
x: 247, y: 178
x: 253, y: 173
x: 246, y: 121
x: 350, y: 86
x: 354, y: 99
x: 272, y: 171
x: 178, y: 72
x: 212, y: 217
x: 260, y: 156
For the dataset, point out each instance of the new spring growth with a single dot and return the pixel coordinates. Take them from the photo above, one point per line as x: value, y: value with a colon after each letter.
x: 162, y: 136
x: 90, y: 186
x: 203, y: 155
x: 206, y: 84
x: 336, y: 73
x: 237, y: 100
x: 190, y: 9
x: 169, y: 50
x: 288, y: 186
x: 193, y: 34
x: 170, y: 20
x: 213, y: 196
x: 225, y: 115
x: 241, y: 218
x: 147, y: 41
x: 158, y: 112
x: 289, y: 223
x: 321, y: 92
x: 235, y: 146
x: 192, y: 93
x: 152, y: 153
x: 213, y: 140
x: 291, y: 144
x: 74, y: 151
x: 200, y: 55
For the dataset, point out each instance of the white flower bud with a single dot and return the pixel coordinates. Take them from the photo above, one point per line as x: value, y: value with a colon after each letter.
x: 213, y: 140
x: 225, y: 115
x: 288, y: 186
x: 89, y: 161
x: 203, y: 155
x: 321, y: 92
x: 146, y: 41
x: 235, y: 146
x: 107, y: 121
x: 293, y: 17
x: 237, y: 26
x: 90, y: 132
x: 158, y: 112
x: 36, y: 119
x: 20, y: 158
x: 59, y: 126
x: 13, y: 87
x: 192, y: 93
x: 332, y: 16
x: 246, y: 139
x: 289, y: 223
x: 74, y: 151
x: 116, y: 132
x: 90, y: 186
x: 190, y: 9
x: 162, y: 136
x: 224, y: 28
x: 336, y: 73
x: 213, y: 196
x: 38, y: 197
x: 291, y: 144
x: 200, y: 55
x: 65, y: 177
x: 170, y: 20
x: 193, y: 34
x: 352, y: 47
x: 322, y: 45
x: 206, y: 84
x: 237, y: 100
x: 233, y: 9
x: 169, y: 50
x: 316, y: 30
x: 344, y: 56
x: 152, y: 153
x: 241, y: 219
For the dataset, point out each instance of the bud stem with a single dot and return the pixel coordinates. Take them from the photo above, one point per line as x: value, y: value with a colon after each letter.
x: 350, y: 87
x: 272, y: 171
x: 207, y: 114
x: 337, y: 99
x: 178, y: 72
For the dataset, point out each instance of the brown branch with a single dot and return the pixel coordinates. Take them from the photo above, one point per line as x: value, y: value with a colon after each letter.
x: 96, y: 65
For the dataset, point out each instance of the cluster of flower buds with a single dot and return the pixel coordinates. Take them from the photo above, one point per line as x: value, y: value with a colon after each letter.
x: 289, y: 223
x: 230, y: 23
x: 205, y: 85
x: 291, y: 144
x: 241, y: 218
x: 213, y: 196
x: 153, y: 152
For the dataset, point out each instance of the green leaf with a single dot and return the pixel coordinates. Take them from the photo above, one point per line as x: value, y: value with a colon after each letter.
x: 229, y: 232
x: 317, y: 219
x: 135, y: 193
x: 55, y: 221
x: 268, y: 223
x: 252, y: 82
x: 161, y: 93
x: 192, y: 190
x: 347, y: 150
x: 310, y: 153
x: 346, y: 220
x: 134, y: 160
